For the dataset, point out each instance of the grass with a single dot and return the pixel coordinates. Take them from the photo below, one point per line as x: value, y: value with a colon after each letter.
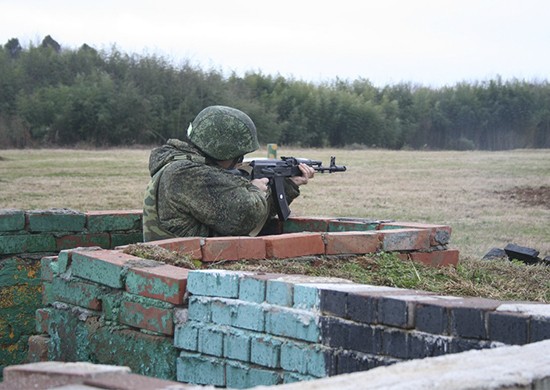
x: 486, y: 197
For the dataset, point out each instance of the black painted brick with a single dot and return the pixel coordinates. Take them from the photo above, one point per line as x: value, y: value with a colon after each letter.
x: 509, y: 328
x: 540, y: 329
x: 423, y: 345
x: 395, y: 312
x: 361, y: 338
x: 362, y: 308
x: 333, y: 332
x: 431, y: 319
x: 462, y: 345
x: 468, y: 322
x: 395, y: 343
x: 333, y: 302
x: 351, y: 361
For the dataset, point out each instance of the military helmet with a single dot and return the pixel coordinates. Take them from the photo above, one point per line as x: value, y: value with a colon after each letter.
x: 223, y: 133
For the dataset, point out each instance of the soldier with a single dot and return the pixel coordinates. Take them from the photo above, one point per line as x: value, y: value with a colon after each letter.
x: 192, y: 191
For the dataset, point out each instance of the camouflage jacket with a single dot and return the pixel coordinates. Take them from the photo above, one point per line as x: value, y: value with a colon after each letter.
x: 188, y: 197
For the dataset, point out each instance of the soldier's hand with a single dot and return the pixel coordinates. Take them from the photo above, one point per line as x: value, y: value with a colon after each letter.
x: 307, y: 173
x: 261, y: 183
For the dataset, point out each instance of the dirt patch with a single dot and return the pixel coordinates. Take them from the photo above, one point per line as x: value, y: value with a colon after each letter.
x: 529, y: 196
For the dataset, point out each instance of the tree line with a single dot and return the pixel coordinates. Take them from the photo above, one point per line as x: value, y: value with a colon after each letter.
x: 52, y: 96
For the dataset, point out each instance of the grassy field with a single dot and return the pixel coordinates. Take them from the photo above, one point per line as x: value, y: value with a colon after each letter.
x: 490, y: 199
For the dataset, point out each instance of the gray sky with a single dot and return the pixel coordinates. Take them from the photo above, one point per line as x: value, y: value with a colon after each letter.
x: 428, y: 42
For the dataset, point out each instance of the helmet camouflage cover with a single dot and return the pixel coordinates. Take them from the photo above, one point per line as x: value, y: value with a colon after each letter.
x: 223, y: 133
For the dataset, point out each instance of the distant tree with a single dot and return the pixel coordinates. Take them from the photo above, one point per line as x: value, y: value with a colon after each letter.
x: 13, y: 47
x: 49, y: 42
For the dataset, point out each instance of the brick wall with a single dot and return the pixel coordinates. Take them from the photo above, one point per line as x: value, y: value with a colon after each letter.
x: 28, y: 236
x: 241, y: 329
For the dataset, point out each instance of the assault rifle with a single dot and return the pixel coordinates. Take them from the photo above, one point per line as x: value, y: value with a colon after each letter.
x: 276, y: 171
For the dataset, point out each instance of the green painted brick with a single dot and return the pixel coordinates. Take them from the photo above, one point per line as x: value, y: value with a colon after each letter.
x: 242, y: 376
x: 48, y: 268
x: 186, y: 335
x: 199, y: 309
x: 120, y: 239
x: 201, y: 370
x: 252, y: 289
x: 48, y: 296
x: 237, y: 344
x: 68, y: 241
x: 18, y: 270
x: 104, y: 222
x: 27, y: 243
x: 216, y: 283
x: 103, y: 272
x: 279, y: 293
x: 265, y: 350
x: 111, y: 303
x: 293, y: 323
x: 56, y: 220
x: 305, y: 359
x: 77, y: 292
x: 211, y: 340
x: 12, y: 220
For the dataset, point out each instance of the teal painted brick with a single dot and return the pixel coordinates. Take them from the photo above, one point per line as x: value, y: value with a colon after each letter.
x: 252, y: 289
x: 293, y: 323
x: 56, y: 220
x: 265, y: 350
x: 217, y: 283
x: 12, y: 220
x: 68, y: 241
x: 211, y: 340
x: 250, y: 316
x: 186, y: 336
x: 293, y: 377
x: 305, y: 359
x: 199, y: 309
x: 279, y: 293
x: 48, y: 296
x: 104, y: 272
x: 223, y: 311
x: 101, y: 221
x: 201, y: 370
x: 237, y: 344
x: 27, y: 243
x: 242, y: 376
x: 307, y: 296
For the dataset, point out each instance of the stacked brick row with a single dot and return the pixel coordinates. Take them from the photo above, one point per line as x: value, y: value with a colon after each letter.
x: 26, y: 237
x: 247, y: 329
x: 296, y: 237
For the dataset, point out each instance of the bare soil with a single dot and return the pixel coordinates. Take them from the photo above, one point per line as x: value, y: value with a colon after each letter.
x: 528, y: 196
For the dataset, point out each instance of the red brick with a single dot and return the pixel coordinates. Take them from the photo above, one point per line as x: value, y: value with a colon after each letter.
x: 405, y: 239
x: 148, y: 317
x: 186, y: 246
x: 351, y: 242
x: 42, y: 318
x: 102, y: 240
x: 233, y: 248
x: 167, y: 283
x: 38, y: 348
x: 436, y: 258
x: 294, y: 245
x: 439, y: 234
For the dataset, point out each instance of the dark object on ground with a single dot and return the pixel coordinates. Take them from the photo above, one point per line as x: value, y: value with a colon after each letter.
x: 495, y: 254
x: 527, y: 255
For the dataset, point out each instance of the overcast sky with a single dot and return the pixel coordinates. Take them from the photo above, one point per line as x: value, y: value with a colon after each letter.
x: 428, y: 42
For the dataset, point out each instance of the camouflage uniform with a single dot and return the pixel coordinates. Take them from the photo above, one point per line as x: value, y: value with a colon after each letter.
x: 189, y: 195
